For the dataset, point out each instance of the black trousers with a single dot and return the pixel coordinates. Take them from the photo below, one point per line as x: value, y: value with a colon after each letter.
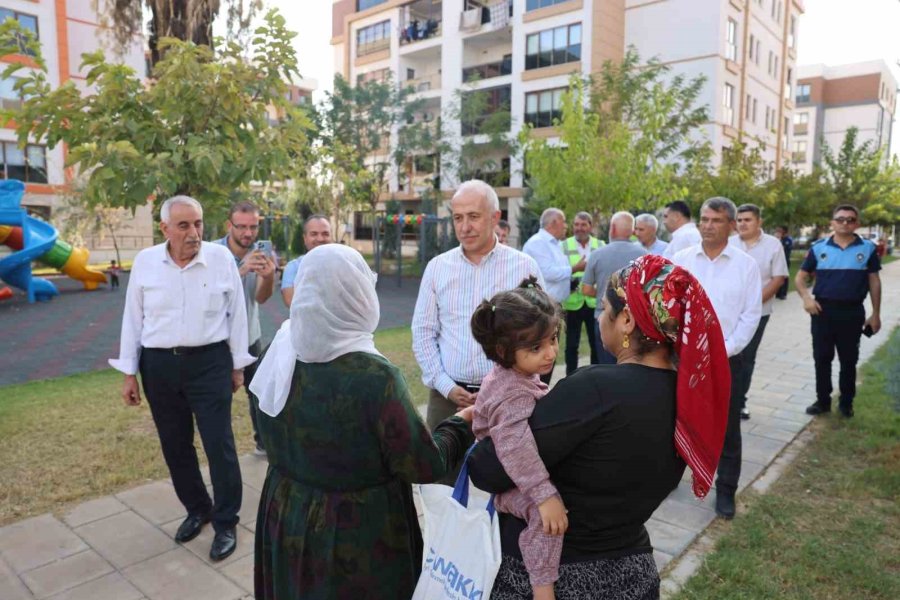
x: 730, y: 462
x: 180, y: 388
x: 837, y: 327
x: 253, y: 402
x: 748, y: 358
x: 575, y: 320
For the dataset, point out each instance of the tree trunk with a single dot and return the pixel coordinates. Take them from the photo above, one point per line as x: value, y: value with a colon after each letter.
x: 115, y: 242
x: 183, y: 19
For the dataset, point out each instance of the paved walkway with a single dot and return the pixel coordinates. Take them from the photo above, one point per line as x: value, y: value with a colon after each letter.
x: 78, y: 330
x: 120, y: 547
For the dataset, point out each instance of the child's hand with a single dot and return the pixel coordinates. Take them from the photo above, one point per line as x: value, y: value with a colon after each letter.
x: 553, y: 516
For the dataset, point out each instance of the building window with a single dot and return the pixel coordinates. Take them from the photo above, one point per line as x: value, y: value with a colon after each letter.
x: 750, y: 47
x: 768, y: 118
x: 799, y: 153
x: 373, y: 38
x: 378, y: 75
x: 728, y: 102
x: 553, y: 47
x: 496, y: 100
x: 771, y: 62
x: 535, y: 4
x: 26, y: 21
x: 792, y: 33
x: 747, y: 107
x: 775, y: 74
x: 9, y: 97
x: 28, y: 165
x: 731, y: 40
x: 758, y: 52
x: 803, y: 92
x: 788, y: 84
x: 753, y: 118
x: 364, y: 4
x: 542, y: 108
x: 784, y: 134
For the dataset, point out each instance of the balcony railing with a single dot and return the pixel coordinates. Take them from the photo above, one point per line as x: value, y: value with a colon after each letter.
x: 416, y: 31
x: 801, y: 129
x: 486, y: 18
x: 488, y: 70
x: 424, y: 83
x: 798, y: 157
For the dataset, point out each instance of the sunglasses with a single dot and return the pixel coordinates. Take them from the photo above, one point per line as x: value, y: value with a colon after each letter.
x: 843, y: 220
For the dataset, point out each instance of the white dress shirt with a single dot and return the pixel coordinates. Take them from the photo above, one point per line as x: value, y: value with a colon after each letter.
x: 734, y: 287
x: 768, y: 253
x: 684, y: 237
x: 452, y: 287
x: 168, y: 306
x: 555, y: 267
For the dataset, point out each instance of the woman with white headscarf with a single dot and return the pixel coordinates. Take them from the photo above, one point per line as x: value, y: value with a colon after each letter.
x: 336, y: 517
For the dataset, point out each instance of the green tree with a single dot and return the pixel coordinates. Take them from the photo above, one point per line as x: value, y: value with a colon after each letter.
x: 796, y: 200
x: 855, y: 171
x: 200, y: 127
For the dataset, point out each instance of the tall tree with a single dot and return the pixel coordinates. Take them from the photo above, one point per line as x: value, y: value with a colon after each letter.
x: 855, y: 170
x: 186, y: 20
x: 202, y: 127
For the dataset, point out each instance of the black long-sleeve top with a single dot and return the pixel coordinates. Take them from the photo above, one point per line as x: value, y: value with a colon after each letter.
x: 606, y: 435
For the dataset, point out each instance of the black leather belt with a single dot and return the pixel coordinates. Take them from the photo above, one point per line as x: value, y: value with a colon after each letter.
x: 187, y: 350
x: 472, y: 388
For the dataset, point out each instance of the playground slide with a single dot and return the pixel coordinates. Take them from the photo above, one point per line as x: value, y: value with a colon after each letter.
x: 42, y: 244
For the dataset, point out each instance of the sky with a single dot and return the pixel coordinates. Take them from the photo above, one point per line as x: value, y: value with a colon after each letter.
x: 833, y: 32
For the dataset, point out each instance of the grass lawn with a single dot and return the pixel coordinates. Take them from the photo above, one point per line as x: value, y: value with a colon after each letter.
x: 70, y: 439
x: 828, y: 528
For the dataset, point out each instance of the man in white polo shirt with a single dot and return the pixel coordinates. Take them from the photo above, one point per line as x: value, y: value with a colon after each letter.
x: 768, y: 253
x: 732, y: 282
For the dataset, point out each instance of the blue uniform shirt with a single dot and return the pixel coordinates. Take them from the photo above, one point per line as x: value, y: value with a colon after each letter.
x: 842, y: 274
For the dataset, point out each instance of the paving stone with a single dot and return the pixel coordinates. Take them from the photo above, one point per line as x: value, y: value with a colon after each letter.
x: 690, y: 516
x: 155, y: 501
x: 759, y: 449
x: 93, y: 510
x: 11, y: 587
x: 200, y: 545
x: 108, y: 587
x: 662, y: 559
x: 179, y: 574
x: 783, y: 424
x: 249, y: 507
x: 773, y: 433
x: 791, y: 415
x: 253, y: 470
x: 749, y: 472
x: 66, y: 573
x: 125, y: 539
x: 668, y: 538
x: 240, y: 572
x: 37, y: 541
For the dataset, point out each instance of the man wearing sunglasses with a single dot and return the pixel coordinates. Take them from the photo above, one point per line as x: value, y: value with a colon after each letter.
x: 845, y: 269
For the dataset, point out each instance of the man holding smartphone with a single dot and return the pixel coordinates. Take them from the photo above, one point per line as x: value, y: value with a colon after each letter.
x: 845, y: 269
x: 257, y: 270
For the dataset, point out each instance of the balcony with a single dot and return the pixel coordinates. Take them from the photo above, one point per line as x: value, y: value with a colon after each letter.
x: 419, y: 21
x: 488, y: 70
x: 424, y: 83
x: 798, y: 157
x: 801, y: 129
x: 478, y: 17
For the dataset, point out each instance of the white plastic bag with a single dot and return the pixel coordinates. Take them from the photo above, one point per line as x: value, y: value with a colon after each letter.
x: 462, y: 543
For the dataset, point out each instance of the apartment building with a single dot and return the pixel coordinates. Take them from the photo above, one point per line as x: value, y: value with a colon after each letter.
x: 830, y: 100
x: 66, y: 29
x: 523, y: 52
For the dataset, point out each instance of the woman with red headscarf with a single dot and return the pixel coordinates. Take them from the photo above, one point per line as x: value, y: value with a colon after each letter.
x: 617, y: 438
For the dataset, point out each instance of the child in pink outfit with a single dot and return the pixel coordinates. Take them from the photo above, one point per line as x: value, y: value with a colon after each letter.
x: 518, y: 330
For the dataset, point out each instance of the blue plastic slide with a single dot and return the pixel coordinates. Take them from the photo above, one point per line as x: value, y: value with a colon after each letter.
x: 38, y: 238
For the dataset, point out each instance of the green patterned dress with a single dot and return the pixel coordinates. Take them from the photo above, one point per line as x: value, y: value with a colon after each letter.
x: 336, y: 517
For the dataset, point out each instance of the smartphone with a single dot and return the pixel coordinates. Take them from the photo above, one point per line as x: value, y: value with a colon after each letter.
x: 264, y: 246
x: 867, y: 331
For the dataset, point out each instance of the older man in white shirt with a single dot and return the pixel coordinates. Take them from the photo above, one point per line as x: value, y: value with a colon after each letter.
x: 768, y: 253
x: 185, y: 330
x: 645, y: 228
x: 731, y: 279
x: 453, y: 285
x: 544, y: 248
x: 677, y: 219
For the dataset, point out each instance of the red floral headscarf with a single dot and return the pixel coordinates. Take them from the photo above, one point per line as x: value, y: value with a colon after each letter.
x: 669, y: 305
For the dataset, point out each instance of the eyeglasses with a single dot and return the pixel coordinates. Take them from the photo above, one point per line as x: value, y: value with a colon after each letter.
x: 251, y: 228
x: 843, y: 220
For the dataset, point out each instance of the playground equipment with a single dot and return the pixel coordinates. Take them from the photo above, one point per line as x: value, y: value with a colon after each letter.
x: 34, y: 239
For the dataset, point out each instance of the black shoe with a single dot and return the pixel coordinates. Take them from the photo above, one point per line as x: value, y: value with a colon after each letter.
x: 725, y: 505
x: 223, y: 544
x: 745, y: 414
x: 190, y: 528
x: 817, y: 409
x: 847, y: 411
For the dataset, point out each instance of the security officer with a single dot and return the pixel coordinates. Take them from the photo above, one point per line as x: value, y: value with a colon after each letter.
x: 579, y: 308
x: 845, y: 268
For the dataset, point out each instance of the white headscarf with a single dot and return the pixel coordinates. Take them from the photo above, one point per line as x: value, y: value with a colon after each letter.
x: 334, y: 312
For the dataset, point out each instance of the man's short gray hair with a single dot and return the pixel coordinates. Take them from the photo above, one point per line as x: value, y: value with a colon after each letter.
x: 166, y: 209
x: 481, y: 188
x: 584, y: 216
x: 622, y: 218
x: 551, y: 214
x: 647, y: 219
x: 721, y: 204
